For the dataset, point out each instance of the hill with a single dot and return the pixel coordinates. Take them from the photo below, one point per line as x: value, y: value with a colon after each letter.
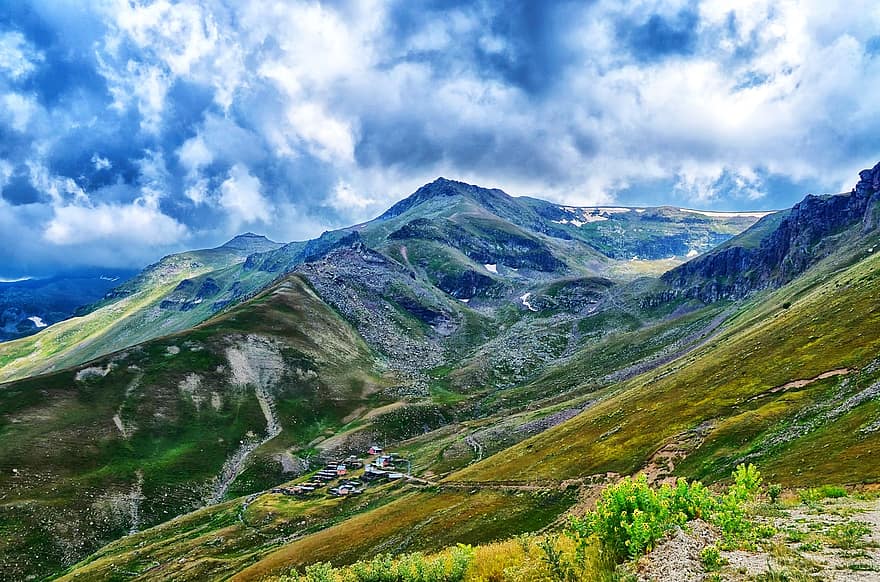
x: 30, y: 305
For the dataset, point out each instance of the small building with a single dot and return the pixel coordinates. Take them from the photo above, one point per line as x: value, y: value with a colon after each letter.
x: 384, y: 461
x: 372, y: 473
x: 341, y: 470
x: 375, y: 450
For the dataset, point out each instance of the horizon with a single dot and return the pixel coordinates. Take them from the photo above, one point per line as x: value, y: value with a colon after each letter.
x: 94, y: 270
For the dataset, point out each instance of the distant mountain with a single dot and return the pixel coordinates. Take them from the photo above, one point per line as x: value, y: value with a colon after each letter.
x: 146, y: 306
x: 28, y: 306
x: 783, y: 245
x: 457, y: 240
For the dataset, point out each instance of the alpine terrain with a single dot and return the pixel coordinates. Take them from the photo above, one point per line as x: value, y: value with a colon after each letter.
x: 467, y: 368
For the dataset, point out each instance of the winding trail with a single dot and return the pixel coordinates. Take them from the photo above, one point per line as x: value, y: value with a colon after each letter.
x: 681, y: 348
x: 802, y: 383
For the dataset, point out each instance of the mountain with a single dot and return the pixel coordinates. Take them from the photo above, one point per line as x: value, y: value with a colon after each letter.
x: 793, y: 389
x: 146, y: 306
x: 784, y: 245
x: 93, y: 453
x: 30, y: 305
x: 513, y: 350
x: 470, y: 243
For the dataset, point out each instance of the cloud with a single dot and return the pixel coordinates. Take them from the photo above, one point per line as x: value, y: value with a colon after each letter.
x: 17, y: 58
x: 201, y: 117
x: 241, y: 198
x: 101, y: 163
x: 131, y: 223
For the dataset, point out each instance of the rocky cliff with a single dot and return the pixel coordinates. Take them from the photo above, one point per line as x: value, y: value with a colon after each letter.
x: 780, y: 246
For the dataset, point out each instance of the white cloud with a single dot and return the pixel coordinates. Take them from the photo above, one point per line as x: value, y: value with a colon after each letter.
x: 195, y: 154
x: 327, y: 138
x: 18, y: 110
x: 241, y: 197
x: 345, y: 198
x: 134, y: 223
x: 101, y: 163
x: 17, y: 58
x: 198, y: 192
x: 180, y: 33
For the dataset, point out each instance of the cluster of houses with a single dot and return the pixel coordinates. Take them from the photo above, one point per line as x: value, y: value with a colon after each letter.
x: 382, y: 467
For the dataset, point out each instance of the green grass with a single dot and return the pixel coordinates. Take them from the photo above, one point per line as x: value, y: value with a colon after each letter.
x: 76, y: 470
x: 764, y: 347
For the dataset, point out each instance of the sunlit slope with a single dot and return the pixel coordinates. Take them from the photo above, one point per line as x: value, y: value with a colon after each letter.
x: 137, y: 437
x: 730, y: 400
x: 131, y: 314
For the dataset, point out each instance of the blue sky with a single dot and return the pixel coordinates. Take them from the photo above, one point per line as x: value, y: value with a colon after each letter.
x: 133, y: 129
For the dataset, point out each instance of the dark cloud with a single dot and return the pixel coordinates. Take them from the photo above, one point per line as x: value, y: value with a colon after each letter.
x: 661, y: 36
x: 18, y: 190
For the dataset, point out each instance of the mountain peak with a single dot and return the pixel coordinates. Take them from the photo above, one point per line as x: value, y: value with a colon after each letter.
x: 250, y: 242
x: 869, y: 180
x: 442, y: 188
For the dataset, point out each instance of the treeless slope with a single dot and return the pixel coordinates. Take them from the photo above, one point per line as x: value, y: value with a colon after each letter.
x: 833, y: 323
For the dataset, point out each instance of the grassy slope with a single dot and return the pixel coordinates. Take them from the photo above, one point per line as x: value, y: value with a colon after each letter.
x: 439, y: 452
x: 125, y: 321
x: 762, y: 347
x: 834, y: 322
x: 76, y: 473
x: 224, y: 540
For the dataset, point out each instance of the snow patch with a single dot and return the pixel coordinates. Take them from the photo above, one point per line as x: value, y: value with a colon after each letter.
x: 714, y: 214
x: 525, y: 302
x: 492, y: 268
x: 692, y: 253
x: 464, y: 300
x: 37, y: 321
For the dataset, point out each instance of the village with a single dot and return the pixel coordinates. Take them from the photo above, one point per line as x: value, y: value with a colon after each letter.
x: 338, y: 476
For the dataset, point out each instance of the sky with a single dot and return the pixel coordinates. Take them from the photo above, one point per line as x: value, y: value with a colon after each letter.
x: 133, y: 129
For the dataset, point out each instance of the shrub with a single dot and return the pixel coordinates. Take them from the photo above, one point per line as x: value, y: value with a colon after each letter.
x: 774, y: 491
x: 831, y: 492
x: 450, y: 567
x: 711, y: 558
x: 848, y: 535
x: 631, y: 516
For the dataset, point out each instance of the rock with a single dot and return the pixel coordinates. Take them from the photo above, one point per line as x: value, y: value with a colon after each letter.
x: 802, y: 237
x: 677, y: 557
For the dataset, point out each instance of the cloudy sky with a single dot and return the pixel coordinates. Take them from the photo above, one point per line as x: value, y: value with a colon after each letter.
x: 132, y: 129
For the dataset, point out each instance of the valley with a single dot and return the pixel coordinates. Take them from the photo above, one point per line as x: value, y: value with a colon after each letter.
x: 520, y: 355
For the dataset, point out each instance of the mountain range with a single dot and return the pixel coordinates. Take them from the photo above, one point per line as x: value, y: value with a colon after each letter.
x: 518, y: 353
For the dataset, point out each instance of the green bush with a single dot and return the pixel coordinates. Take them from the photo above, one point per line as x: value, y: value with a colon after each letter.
x: 711, y: 558
x: 848, y: 536
x: 631, y: 516
x: 384, y: 568
x: 832, y: 492
x: 774, y: 491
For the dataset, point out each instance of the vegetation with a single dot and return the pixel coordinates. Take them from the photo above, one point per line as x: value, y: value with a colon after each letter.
x: 629, y: 519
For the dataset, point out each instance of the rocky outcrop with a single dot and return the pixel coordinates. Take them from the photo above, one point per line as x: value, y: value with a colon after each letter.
x: 779, y: 247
